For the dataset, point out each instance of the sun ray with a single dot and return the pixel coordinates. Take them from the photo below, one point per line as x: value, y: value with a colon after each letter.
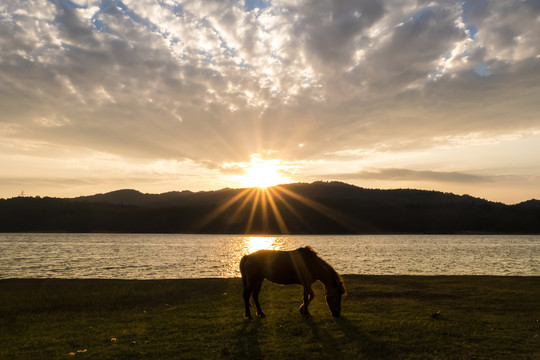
x: 322, y: 209
x: 248, y: 197
x: 264, y: 205
x: 281, y: 223
x: 264, y: 210
x: 253, y: 211
x: 277, y: 195
x: 221, y: 209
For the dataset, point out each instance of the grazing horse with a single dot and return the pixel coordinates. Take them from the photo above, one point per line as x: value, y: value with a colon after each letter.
x: 301, y: 266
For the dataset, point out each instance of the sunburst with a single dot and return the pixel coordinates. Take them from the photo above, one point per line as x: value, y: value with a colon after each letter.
x: 262, y: 173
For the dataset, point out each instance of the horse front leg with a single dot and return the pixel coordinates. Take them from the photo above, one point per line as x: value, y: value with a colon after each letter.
x: 308, y: 297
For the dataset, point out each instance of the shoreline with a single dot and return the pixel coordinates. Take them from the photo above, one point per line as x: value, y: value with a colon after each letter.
x: 352, y: 276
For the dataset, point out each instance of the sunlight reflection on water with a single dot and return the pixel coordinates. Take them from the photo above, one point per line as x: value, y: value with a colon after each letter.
x: 254, y: 243
x: 158, y: 256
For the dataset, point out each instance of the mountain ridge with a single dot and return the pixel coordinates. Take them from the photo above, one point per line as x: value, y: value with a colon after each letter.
x: 298, y: 208
x: 121, y: 196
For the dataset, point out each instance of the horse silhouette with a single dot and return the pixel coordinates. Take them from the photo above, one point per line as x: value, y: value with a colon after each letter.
x: 301, y: 266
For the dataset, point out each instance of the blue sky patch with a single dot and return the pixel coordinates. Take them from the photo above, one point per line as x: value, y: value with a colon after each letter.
x: 482, y: 70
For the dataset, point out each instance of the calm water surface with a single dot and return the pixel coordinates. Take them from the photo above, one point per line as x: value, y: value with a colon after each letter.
x: 151, y: 256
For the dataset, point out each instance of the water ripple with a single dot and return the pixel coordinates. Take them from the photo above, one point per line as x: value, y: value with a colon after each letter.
x: 151, y: 256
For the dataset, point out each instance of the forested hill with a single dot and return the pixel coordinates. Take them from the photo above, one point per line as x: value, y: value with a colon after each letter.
x: 317, y: 208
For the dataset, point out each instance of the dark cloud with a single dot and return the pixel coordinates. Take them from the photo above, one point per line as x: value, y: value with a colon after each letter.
x: 333, y: 30
x: 71, y: 26
x: 413, y: 48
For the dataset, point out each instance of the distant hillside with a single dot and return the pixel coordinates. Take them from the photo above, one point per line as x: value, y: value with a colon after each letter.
x: 316, y: 208
x: 134, y: 197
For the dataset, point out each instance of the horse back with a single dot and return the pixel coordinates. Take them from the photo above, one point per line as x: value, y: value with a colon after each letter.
x: 281, y: 267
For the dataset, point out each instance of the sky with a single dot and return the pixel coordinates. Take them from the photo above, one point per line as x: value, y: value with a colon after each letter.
x: 167, y: 95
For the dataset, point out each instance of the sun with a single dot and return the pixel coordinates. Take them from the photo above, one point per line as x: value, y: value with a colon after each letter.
x: 263, y: 173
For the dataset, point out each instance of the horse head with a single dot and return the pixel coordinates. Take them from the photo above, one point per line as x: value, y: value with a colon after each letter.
x: 333, y: 299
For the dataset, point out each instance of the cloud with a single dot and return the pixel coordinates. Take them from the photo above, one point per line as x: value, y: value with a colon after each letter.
x: 415, y: 175
x: 216, y: 81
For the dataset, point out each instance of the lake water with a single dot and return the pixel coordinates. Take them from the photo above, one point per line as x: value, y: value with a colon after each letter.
x: 158, y: 256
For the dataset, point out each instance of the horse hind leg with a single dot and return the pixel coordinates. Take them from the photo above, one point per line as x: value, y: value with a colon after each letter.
x: 248, y: 289
x: 256, y: 290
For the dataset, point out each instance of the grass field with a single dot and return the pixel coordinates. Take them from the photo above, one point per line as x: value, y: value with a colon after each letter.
x: 383, y: 317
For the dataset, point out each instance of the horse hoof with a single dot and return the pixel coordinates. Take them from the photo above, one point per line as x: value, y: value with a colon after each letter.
x: 303, y: 311
x: 248, y: 317
x: 261, y: 315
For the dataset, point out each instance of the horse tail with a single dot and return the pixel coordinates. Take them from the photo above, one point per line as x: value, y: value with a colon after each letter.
x: 243, y: 270
x: 244, y: 277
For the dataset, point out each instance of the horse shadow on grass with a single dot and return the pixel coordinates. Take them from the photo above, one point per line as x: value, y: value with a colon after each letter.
x: 248, y: 340
x: 365, y: 344
x: 329, y: 344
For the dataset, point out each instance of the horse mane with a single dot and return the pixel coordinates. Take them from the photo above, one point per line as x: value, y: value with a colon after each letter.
x: 307, y: 249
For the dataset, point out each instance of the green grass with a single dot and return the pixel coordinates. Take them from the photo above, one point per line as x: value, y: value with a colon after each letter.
x: 383, y: 317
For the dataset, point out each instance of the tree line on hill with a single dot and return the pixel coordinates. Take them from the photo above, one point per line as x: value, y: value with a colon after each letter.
x: 316, y: 208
